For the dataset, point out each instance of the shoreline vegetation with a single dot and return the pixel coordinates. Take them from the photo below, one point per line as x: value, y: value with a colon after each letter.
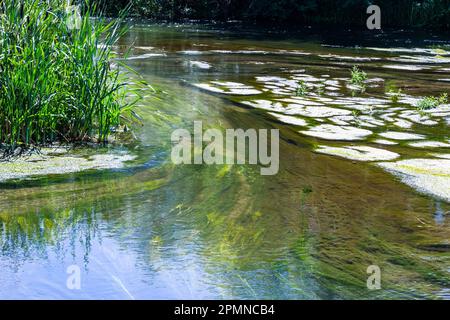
x: 433, y: 14
x: 59, y: 79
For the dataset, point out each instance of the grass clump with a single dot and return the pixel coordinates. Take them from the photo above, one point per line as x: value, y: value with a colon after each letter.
x: 302, y: 89
x: 358, y: 77
x: 432, y: 102
x: 57, y: 80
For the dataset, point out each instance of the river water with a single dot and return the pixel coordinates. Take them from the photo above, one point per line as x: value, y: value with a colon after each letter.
x: 154, y: 230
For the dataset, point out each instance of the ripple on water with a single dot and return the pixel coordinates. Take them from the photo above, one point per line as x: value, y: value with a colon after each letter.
x: 229, y: 88
x: 200, y: 64
x: 146, y: 56
x: 405, y: 67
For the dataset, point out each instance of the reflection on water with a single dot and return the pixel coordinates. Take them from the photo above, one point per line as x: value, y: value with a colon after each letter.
x: 160, y: 231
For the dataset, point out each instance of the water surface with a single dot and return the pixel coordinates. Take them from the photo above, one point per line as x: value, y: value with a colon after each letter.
x: 152, y: 230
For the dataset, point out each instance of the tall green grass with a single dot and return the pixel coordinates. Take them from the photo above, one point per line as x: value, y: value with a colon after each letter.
x: 57, y: 79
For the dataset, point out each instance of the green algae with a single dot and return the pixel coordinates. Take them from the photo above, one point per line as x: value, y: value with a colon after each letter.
x: 42, y: 165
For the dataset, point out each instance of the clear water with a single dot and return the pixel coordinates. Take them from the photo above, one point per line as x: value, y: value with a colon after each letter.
x: 158, y: 231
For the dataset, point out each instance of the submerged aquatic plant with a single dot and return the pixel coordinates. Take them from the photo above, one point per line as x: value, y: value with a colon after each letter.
x: 358, y: 77
x: 321, y: 88
x: 57, y: 79
x: 356, y: 116
x: 432, y: 102
x: 394, y: 95
x: 306, y: 191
